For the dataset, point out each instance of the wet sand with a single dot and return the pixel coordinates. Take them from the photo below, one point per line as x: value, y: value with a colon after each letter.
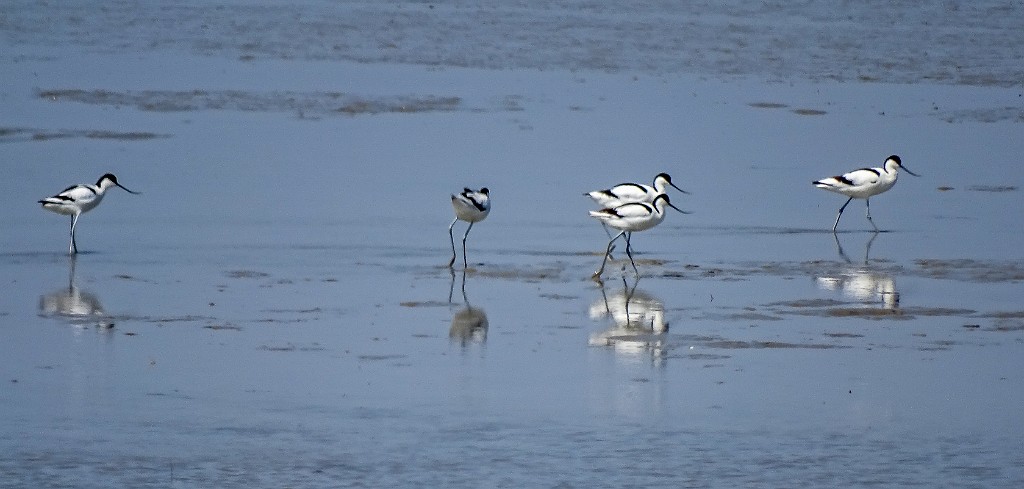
x: 274, y: 309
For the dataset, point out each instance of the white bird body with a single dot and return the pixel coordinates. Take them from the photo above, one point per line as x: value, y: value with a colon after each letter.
x: 75, y: 200
x: 864, y: 184
x: 629, y: 218
x: 633, y: 192
x: 633, y: 216
x: 78, y: 199
x: 470, y: 206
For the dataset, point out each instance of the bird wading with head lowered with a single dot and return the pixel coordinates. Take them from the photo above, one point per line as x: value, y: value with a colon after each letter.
x: 471, y: 206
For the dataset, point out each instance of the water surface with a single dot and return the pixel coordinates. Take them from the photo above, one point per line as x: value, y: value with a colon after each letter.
x: 274, y: 309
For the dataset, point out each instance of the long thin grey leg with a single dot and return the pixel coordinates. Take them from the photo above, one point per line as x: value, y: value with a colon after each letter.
x: 629, y: 253
x: 609, y: 234
x: 841, y: 209
x: 867, y: 202
x: 452, y: 262
x: 74, y: 246
x: 608, y: 250
x: 465, y: 263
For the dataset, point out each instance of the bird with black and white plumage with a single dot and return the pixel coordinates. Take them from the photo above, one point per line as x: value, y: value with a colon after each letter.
x: 629, y: 218
x: 864, y: 184
x: 78, y: 199
x: 625, y: 193
x: 471, y: 206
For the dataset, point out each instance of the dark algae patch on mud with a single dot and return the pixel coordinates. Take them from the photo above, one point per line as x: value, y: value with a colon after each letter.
x: 303, y: 104
x: 972, y: 270
x: 21, y: 134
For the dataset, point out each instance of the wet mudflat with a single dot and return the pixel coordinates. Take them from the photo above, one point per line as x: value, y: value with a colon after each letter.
x: 274, y: 309
x: 312, y: 369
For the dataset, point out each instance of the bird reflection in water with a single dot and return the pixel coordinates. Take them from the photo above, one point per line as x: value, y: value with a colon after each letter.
x: 469, y: 324
x: 75, y: 305
x: 638, y: 317
x: 862, y: 282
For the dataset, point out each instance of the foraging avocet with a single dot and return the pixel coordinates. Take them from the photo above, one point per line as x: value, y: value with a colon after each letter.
x: 864, y: 184
x: 470, y: 206
x: 633, y: 192
x: 76, y: 199
x: 630, y: 217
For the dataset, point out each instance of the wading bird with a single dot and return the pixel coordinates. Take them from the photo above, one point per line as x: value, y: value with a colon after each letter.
x: 864, y: 184
x: 627, y: 218
x: 625, y: 193
x: 470, y: 206
x: 77, y: 199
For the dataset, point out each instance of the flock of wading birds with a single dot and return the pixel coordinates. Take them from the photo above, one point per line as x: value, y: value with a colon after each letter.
x: 627, y: 207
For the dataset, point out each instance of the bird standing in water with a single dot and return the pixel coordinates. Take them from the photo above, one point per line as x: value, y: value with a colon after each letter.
x: 627, y: 218
x: 470, y: 206
x: 864, y: 184
x: 625, y: 193
x: 77, y: 199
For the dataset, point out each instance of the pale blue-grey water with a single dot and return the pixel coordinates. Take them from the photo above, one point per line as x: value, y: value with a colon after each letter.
x: 274, y: 309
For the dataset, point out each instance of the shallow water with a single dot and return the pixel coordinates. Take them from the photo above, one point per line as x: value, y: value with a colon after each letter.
x: 274, y: 309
